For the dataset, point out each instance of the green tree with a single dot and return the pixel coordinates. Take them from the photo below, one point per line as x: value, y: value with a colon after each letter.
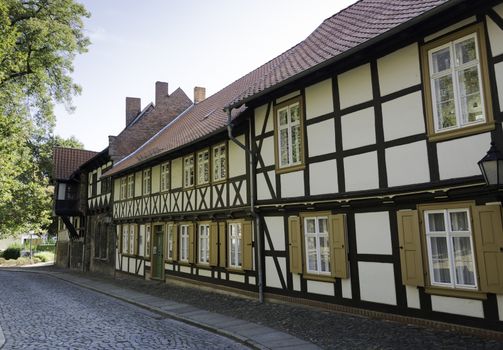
x: 38, y: 42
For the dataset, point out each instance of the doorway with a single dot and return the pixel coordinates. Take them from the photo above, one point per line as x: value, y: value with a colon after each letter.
x: 157, y: 254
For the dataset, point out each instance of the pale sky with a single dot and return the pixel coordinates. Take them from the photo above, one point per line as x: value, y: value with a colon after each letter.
x: 185, y: 43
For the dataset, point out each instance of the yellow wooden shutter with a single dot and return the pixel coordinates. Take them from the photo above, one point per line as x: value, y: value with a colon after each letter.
x: 409, y: 238
x: 118, y: 236
x: 247, y: 246
x: 338, y: 245
x: 488, y: 234
x: 192, y: 244
x: 135, y: 230
x: 294, y: 244
x: 222, y: 228
x: 175, y: 242
x: 213, y: 244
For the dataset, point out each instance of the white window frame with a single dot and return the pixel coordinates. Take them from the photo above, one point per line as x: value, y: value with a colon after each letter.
x: 203, y: 240
x: 289, y: 126
x: 188, y: 171
x: 130, y: 186
x: 125, y: 239
x: 203, y: 167
x: 235, y: 233
x: 448, y: 234
x: 148, y: 230
x: 141, y: 240
x: 147, y: 181
x: 184, y: 243
x: 131, y: 239
x: 453, y: 71
x: 170, y: 235
x: 219, y: 160
x: 316, y: 235
x: 165, y: 177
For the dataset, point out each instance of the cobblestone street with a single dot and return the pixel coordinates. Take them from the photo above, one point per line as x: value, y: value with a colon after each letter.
x: 40, y: 312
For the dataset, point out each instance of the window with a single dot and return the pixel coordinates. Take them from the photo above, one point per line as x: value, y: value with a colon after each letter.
x: 147, y: 240
x: 455, y: 87
x: 171, y: 231
x: 188, y: 171
x: 95, y: 184
x: 130, y: 186
x: 203, y: 167
x: 132, y: 239
x: 317, y: 246
x: 90, y: 185
x: 204, y: 243
x: 450, y: 248
x: 165, y: 177
x: 123, y: 188
x: 235, y: 245
x: 125, y: 239
x: 184, y: 243
x: 288, y: 127
x: 141, y: 240
x: 219, y: 163
x: 147, y: 181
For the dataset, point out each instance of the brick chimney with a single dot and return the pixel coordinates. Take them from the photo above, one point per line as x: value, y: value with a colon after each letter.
x: 161, y: 93
x: 199, y: 94
x: 133, y: 108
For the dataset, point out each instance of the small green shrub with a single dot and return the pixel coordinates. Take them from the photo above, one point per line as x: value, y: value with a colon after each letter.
x: 46, y: 248
x: 12, y: 252
x: 44, y: 256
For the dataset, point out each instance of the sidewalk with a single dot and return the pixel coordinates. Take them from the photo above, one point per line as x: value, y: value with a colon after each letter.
x: 251, y: 334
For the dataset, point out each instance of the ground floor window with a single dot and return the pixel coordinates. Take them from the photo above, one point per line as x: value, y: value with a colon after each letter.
x: 317, y: 245
x: 204, y: 243
x: 170, y: 241
x: 147, y: 240
x: 184, y: 243
x: 235, y: 245
x: 125, y: 239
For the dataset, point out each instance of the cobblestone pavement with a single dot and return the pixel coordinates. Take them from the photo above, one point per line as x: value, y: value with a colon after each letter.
x: 41, y: 312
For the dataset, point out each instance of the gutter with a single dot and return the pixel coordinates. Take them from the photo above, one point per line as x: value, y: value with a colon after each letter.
x: 258, y: 240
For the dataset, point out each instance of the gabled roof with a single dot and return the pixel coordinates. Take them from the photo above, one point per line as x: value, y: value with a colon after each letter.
x: 340, y: 35
x: 67, y: 160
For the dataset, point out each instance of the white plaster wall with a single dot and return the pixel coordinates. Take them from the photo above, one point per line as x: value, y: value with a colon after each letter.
x: 138, y: 182
x: 156, y: 178
x: 358, y: 129
x: 450, y: 28
x: 184, y: 269
x: 260, y: 117
x: 399, y: 69
x: 412, y: 297
x: 495, y: 37
x: 125, y: 265
x: 377, y: 282
x: 499, y: 298
x: 318, y: 287
x: 267, y: 151
x: 355, y: 86
x: 251, y: 280
x: 271, y: 274
x: 141, y: 269
x: 319, y: 99
x: 167, y: 266
x: 498, y: 70
x: 321, y: 138
x: 296, y: 282
x: 132, y: 265
x: 205, y: 273
x: 360, y: 172
x: 323, y: 177
x: 117, y: 259
x: 215, y: 196
x: 407, y: 164
x: 276, y: 228
x: 288, y: 96
x: 98, y: 184
x: 457, y: 306
x: 403, y: 116
x: 176, y: 173
x: 346, y: 288
x: 147, y: 263
x: 292, y: 184
x: 236, y: 278
x: 262, y: 188
x: 237, y: 158
x: 459, y: 157
x: 499, y: 10
x: 373, y: 233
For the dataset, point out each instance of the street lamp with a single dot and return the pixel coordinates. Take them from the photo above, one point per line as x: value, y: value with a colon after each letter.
x: 491, y: 166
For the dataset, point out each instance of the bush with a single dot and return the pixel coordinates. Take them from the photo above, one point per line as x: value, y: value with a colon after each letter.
x: 12, y: 252
x: 44, y: 256
x: 46, y: 248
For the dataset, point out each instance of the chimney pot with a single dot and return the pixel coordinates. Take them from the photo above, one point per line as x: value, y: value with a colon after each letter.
x: 133, y: 108
x: 199, y: 94
x: 161, y: 93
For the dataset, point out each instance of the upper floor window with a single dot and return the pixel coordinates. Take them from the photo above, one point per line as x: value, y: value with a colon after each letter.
x: 288, y: 128
x: 219, y: 163
x: 95, y: 185
x: 455, y: 83
x: 203, y: 167
x: 147, y: 181
x: 165, y: 177
x: 123, y: 188
x: 188, y: 171
x: 130, y: 186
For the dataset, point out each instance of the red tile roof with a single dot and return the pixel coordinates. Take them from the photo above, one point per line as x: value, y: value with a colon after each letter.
x: 349, y: 29
x: 67, y: 160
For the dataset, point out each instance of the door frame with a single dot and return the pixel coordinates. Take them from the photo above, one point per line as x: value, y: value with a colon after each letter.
x: 157, y: 275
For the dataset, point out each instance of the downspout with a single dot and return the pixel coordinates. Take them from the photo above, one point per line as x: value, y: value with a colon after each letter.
x: 258, y: 241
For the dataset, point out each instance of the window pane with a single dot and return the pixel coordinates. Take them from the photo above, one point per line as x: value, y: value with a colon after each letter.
x: 296, y: 144
x: 436, y: 222
x: 444, y: 97
x: 311, y: 243
x: 441, y: 60
x: 283, y: 117
x: 466, y: 51
x: 294, y: 113
x: 440, y: 260
x: 325, y: 254
x: 283, y: 144
x: 311, y: 261
x: 469, y: 91
x: 322, y: 223
x: 310, y: 226
x: 463, y: 261
x: 459, y: 221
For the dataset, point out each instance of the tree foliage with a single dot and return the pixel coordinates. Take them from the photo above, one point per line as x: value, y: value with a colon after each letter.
x: 38, y: 43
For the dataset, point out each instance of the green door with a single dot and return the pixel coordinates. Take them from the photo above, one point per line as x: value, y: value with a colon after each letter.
x: 157, y: 257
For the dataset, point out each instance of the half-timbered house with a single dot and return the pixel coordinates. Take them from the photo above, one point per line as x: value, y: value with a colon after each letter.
x: 343, y: 172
